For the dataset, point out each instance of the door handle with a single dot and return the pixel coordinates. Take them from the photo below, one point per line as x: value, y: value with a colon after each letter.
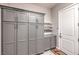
x: 78, y: 39
x: 60, y: 35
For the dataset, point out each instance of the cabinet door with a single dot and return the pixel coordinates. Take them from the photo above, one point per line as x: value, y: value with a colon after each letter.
x: 46, y: 43
x: 40, y: 18
x: 32, y: 38
x: 40, y: 46
x: 53, y: 41
x: 40, y: 38
x: 40, y: 31
x: 22, y: 16
x: 9, y: 38
x: 32, y: 17
x: 32, y: 47
x: 9, y: 15
x: 22, y: 39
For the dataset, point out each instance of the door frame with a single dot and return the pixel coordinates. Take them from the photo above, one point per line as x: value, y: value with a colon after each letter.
x: 76, y: 26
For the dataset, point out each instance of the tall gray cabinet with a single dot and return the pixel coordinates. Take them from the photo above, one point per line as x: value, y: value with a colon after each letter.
x: 32, y: 33
x: 23, y: 32
x: 40, y: 33
x: 15, y: 32
x: 36, y: 33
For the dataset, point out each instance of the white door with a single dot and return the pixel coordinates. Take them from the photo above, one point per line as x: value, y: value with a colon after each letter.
x: 68, y: 29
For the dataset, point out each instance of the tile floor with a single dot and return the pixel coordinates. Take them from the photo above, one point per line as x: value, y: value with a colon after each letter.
x: 48, y: 53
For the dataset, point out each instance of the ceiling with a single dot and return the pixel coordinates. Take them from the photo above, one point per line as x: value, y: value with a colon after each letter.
x: 46, y: 5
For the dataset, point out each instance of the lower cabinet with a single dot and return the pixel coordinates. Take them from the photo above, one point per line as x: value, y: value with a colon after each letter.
x: 32, y: 47
x: 46, y: 43
x: 9, y: 39
x: 40, y: 46
x: 22, y: 48
x: 53, y: 42
x: 49, y: 42
x: 9, y: 49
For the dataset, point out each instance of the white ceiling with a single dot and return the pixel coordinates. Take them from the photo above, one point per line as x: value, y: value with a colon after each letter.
x: 46, y: 5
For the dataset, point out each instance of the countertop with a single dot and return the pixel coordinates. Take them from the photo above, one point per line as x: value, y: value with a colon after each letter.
x: 48, y: 34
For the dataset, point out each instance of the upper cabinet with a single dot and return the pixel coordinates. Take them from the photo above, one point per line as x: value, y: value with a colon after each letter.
x: 32, y: 17
x: 13, y: 15
x: 40, y: 18
x: 22, y: 16
x: 36, y: 17
x: 9, y: 15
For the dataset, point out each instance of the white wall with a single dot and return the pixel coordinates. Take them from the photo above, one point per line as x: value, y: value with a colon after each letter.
x: 55, y: 10
x: 31, y: 7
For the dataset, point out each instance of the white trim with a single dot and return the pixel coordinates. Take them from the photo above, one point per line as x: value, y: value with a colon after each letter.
x: 0, y: 31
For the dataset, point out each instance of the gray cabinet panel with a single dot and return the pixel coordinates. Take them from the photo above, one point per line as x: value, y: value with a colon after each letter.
x: 22, y: 16
x: 9, y: 49
x: 32, y: 38
x: 22, y: 32
x: 40, y: 38
x: 40, y: 31
x: 9, y: 38
x: 46, y: 43
x: 40, y: 18
x: 53, y: 42
x: 40, y: 46
x: 32, y: 47
x: 53, y: 45
x: 22, y: 48
x: 32, y: 17
x: 9, y: 15
x: 9, y: 32
x: 32, y: 31
x: 22, y: 38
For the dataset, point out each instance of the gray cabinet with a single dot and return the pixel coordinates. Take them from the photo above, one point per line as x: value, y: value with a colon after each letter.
x: 9, y: 38
x: 40, y: 46
x: 22, y: 39
x: 32, y: 17
x: 23, y: 32
x: 32, y: 47
x: 40, y: 18
x: 9, y: 15
x: 32, y: 38
x: 40, y: 31
x: 22, y: 16
x: 46, y: 43
x: 49, y: 42
x: 53, y: 42
x: 40, y: 38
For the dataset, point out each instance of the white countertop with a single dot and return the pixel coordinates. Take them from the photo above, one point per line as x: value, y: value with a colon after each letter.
x: 48, y: 34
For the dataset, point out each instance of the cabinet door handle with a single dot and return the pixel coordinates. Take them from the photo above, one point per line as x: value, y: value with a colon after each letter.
x: 36, y: 26
x: 37, y: 20
x: 15, y: 26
